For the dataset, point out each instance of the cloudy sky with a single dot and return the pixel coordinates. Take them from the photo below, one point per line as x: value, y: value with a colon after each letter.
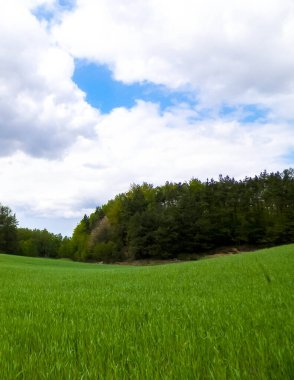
x: 98, y: 94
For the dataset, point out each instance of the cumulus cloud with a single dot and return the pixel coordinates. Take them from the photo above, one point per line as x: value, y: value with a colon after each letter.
x: 42, y: 110
x: 136, y: 145
x: 225, y: 51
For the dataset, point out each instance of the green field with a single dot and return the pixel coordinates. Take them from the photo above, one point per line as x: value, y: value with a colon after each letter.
x: 224, y: 318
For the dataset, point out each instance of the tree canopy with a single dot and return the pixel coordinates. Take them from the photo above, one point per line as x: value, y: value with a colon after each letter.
x: 170, y: 221
x: 8, y: 230
x: 191, y: 217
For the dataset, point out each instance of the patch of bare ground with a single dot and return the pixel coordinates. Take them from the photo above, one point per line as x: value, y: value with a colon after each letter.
x: 225, y: 251
x: 150, y: 262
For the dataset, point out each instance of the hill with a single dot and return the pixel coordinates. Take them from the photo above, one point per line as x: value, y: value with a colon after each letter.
x: 229, y: 317
x: 184, y: 219
x: 173, y: 221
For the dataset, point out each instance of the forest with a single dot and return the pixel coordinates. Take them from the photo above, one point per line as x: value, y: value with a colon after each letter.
x: 176, y: 220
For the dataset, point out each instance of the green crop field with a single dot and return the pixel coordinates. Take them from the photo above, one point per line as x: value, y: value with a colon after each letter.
x: 224, y: 318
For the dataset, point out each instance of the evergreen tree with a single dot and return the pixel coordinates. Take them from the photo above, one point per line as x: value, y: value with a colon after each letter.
x: 191, y: 217
x: 8, y: 230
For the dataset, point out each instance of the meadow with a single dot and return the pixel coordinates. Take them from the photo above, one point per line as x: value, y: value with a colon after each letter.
x: 224, y: 318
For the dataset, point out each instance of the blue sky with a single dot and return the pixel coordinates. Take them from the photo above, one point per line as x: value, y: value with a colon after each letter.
x: 106, y: 93
x: 171, y: 91
x: 45, y: 11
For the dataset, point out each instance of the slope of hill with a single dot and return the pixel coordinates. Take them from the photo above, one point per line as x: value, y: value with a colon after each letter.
x: 229, y: 317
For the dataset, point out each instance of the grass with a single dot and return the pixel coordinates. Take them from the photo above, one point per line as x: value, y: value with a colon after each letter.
x: 224, y: 318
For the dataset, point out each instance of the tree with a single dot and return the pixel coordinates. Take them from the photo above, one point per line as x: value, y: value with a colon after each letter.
x: 38, y: 243
x: 80, y: 239
x: 190, y: 217
x: 8, y: 230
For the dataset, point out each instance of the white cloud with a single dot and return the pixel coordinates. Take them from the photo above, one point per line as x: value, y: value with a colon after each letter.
x: 228, y: 51
x: 42, y: 110
x: 138, y: 145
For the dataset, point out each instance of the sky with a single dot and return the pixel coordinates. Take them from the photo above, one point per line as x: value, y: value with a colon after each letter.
x: 98, y: 94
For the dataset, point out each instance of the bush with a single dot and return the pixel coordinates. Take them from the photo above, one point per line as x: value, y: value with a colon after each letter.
x: 106, y: 251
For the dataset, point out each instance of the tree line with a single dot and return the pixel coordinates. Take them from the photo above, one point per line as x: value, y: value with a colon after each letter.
x: 177, y: 220
x: 27, y: 242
